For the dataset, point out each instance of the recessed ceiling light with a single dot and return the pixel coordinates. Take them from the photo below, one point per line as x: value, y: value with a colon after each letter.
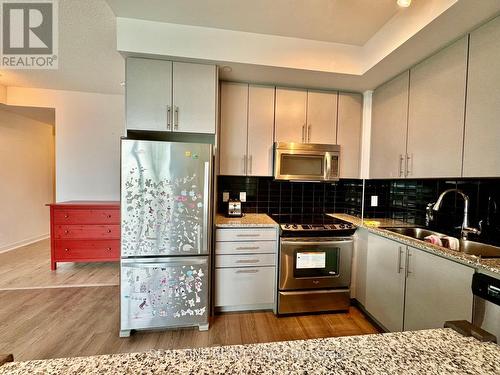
x: 227, y: 69
x: 404, y: 3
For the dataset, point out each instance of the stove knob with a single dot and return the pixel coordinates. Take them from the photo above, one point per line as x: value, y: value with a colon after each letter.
x: 342, y: 226
x: 294, y: 226
x: 287, y: 226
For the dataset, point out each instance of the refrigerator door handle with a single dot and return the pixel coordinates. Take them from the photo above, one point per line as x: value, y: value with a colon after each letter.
x: 158, y: 262
x: 206, y: 193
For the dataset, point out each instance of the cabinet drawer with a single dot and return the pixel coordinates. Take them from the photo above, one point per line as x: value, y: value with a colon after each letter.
x: 243, y: 234
x: 255, y: 247
x: 90, y: 250
x: 87, y: 232
x: 245, y: 260
x: 244, y: 286
x: 69, y: 216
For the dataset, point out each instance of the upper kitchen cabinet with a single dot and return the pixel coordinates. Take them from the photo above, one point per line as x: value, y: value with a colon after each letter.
x: 291, y: 111
x: 194, y: 96
x: 350, y: 109
x: 148, y: 94
x: 260, y: 130
x: 246, y: 129
x: 389, y: 126
x: 436, y: 114
x: 170, y: 96
x: 321, y: 117
x: 482, y: 121
x: 233, y: 128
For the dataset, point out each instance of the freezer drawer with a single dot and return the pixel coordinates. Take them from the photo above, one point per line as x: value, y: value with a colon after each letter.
x: 309, y: 301
x: 164, y: 292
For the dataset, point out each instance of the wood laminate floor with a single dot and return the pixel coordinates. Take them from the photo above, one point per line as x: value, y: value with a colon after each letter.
x: 29, y: 267
x: 63, y: 322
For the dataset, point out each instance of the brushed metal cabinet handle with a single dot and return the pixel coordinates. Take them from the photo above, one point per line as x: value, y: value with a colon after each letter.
x: 303, y: 133
x: 248, y: 248
x: 169, y: 117
x: 409, y: 160
x: 176, y: 118
x: 400, y: 251
x: 247, y: 261
x: 247, y: 271
x: 408, y: 255
x: 401, y: 170
x: 248, y: 235
x: 309, y: 133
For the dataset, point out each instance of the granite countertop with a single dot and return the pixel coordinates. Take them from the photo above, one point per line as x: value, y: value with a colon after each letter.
x: 439, y: 351
x: 490, y: 266
x: 248, y: 220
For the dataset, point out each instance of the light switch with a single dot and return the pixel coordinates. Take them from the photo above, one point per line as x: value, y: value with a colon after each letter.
x: 225, y: 196
x: 243, y: 196
x: 374, y: 200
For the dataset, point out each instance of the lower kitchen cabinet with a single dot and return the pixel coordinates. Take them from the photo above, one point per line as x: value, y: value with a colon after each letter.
x: 437, y: 290
x: 241, y: 288
x: 385, y: 282
x: 245, y: 268
x: 409, y: 289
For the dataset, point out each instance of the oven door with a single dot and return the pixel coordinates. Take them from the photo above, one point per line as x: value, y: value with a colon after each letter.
x: 306, y: 165
x: 312, y: 263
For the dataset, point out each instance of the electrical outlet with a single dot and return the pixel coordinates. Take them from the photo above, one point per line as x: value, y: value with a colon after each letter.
x: 374, y: 201
x: 225, y: 196
x: 243, y: 196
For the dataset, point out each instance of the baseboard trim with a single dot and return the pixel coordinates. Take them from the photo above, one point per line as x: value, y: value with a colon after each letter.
x: 18, y: 244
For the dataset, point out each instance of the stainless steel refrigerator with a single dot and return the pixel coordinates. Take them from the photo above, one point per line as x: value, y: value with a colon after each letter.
x: 165, y: 234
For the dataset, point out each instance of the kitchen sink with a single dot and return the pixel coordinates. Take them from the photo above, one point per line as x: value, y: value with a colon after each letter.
x: 466, y: 246
x: 414, y: 232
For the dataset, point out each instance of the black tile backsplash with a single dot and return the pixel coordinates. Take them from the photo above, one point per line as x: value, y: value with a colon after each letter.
x: 407, y: 200
x: 266, y: 195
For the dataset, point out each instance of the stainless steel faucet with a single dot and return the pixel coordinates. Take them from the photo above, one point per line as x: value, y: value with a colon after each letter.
x: 466, y: 229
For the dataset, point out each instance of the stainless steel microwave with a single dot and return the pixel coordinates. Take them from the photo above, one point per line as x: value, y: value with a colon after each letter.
x: 306, y: 162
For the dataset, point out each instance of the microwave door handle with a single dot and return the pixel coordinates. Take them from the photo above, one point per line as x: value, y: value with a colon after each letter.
x: 328, y: 166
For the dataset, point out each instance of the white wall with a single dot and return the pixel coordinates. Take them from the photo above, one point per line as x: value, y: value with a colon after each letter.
x: 88, y: 130
x: 26, y: 179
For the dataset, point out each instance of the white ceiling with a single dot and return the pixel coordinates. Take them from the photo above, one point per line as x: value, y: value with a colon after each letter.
x: 339, y: 21
x: 88, y: 59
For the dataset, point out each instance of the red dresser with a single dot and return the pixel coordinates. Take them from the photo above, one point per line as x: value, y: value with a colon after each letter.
x: 84, y: 231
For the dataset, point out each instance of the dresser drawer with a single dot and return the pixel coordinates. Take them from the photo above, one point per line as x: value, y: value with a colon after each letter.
x: 87, y: 232
x: 245, y: 260
x: 251, y: 287
x: 243, y: 234
x: 88, y: 216
x: 254, y: 247
x: 90, y: 250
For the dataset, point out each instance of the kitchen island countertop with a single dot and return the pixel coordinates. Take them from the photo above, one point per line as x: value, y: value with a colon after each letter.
x: 439, y: 351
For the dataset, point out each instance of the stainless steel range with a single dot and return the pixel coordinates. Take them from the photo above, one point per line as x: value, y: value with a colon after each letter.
x: 314, y: 263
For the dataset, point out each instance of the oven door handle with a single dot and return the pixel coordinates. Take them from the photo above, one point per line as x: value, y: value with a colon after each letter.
x: 304, y: 243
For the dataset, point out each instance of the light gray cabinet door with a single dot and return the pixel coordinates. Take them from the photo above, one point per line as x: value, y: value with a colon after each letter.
x: 437, y: 290
x: 482, y: 122
x: 194, y: 97
x: 350, y: 108
x: 233, y: 128
x: 385, y: 282
x: 260, y: 130
x: 321, y: 117
x: 436, y: 114
x: 148, y: 94
x: 389, y: 126
x: 290, y: 121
